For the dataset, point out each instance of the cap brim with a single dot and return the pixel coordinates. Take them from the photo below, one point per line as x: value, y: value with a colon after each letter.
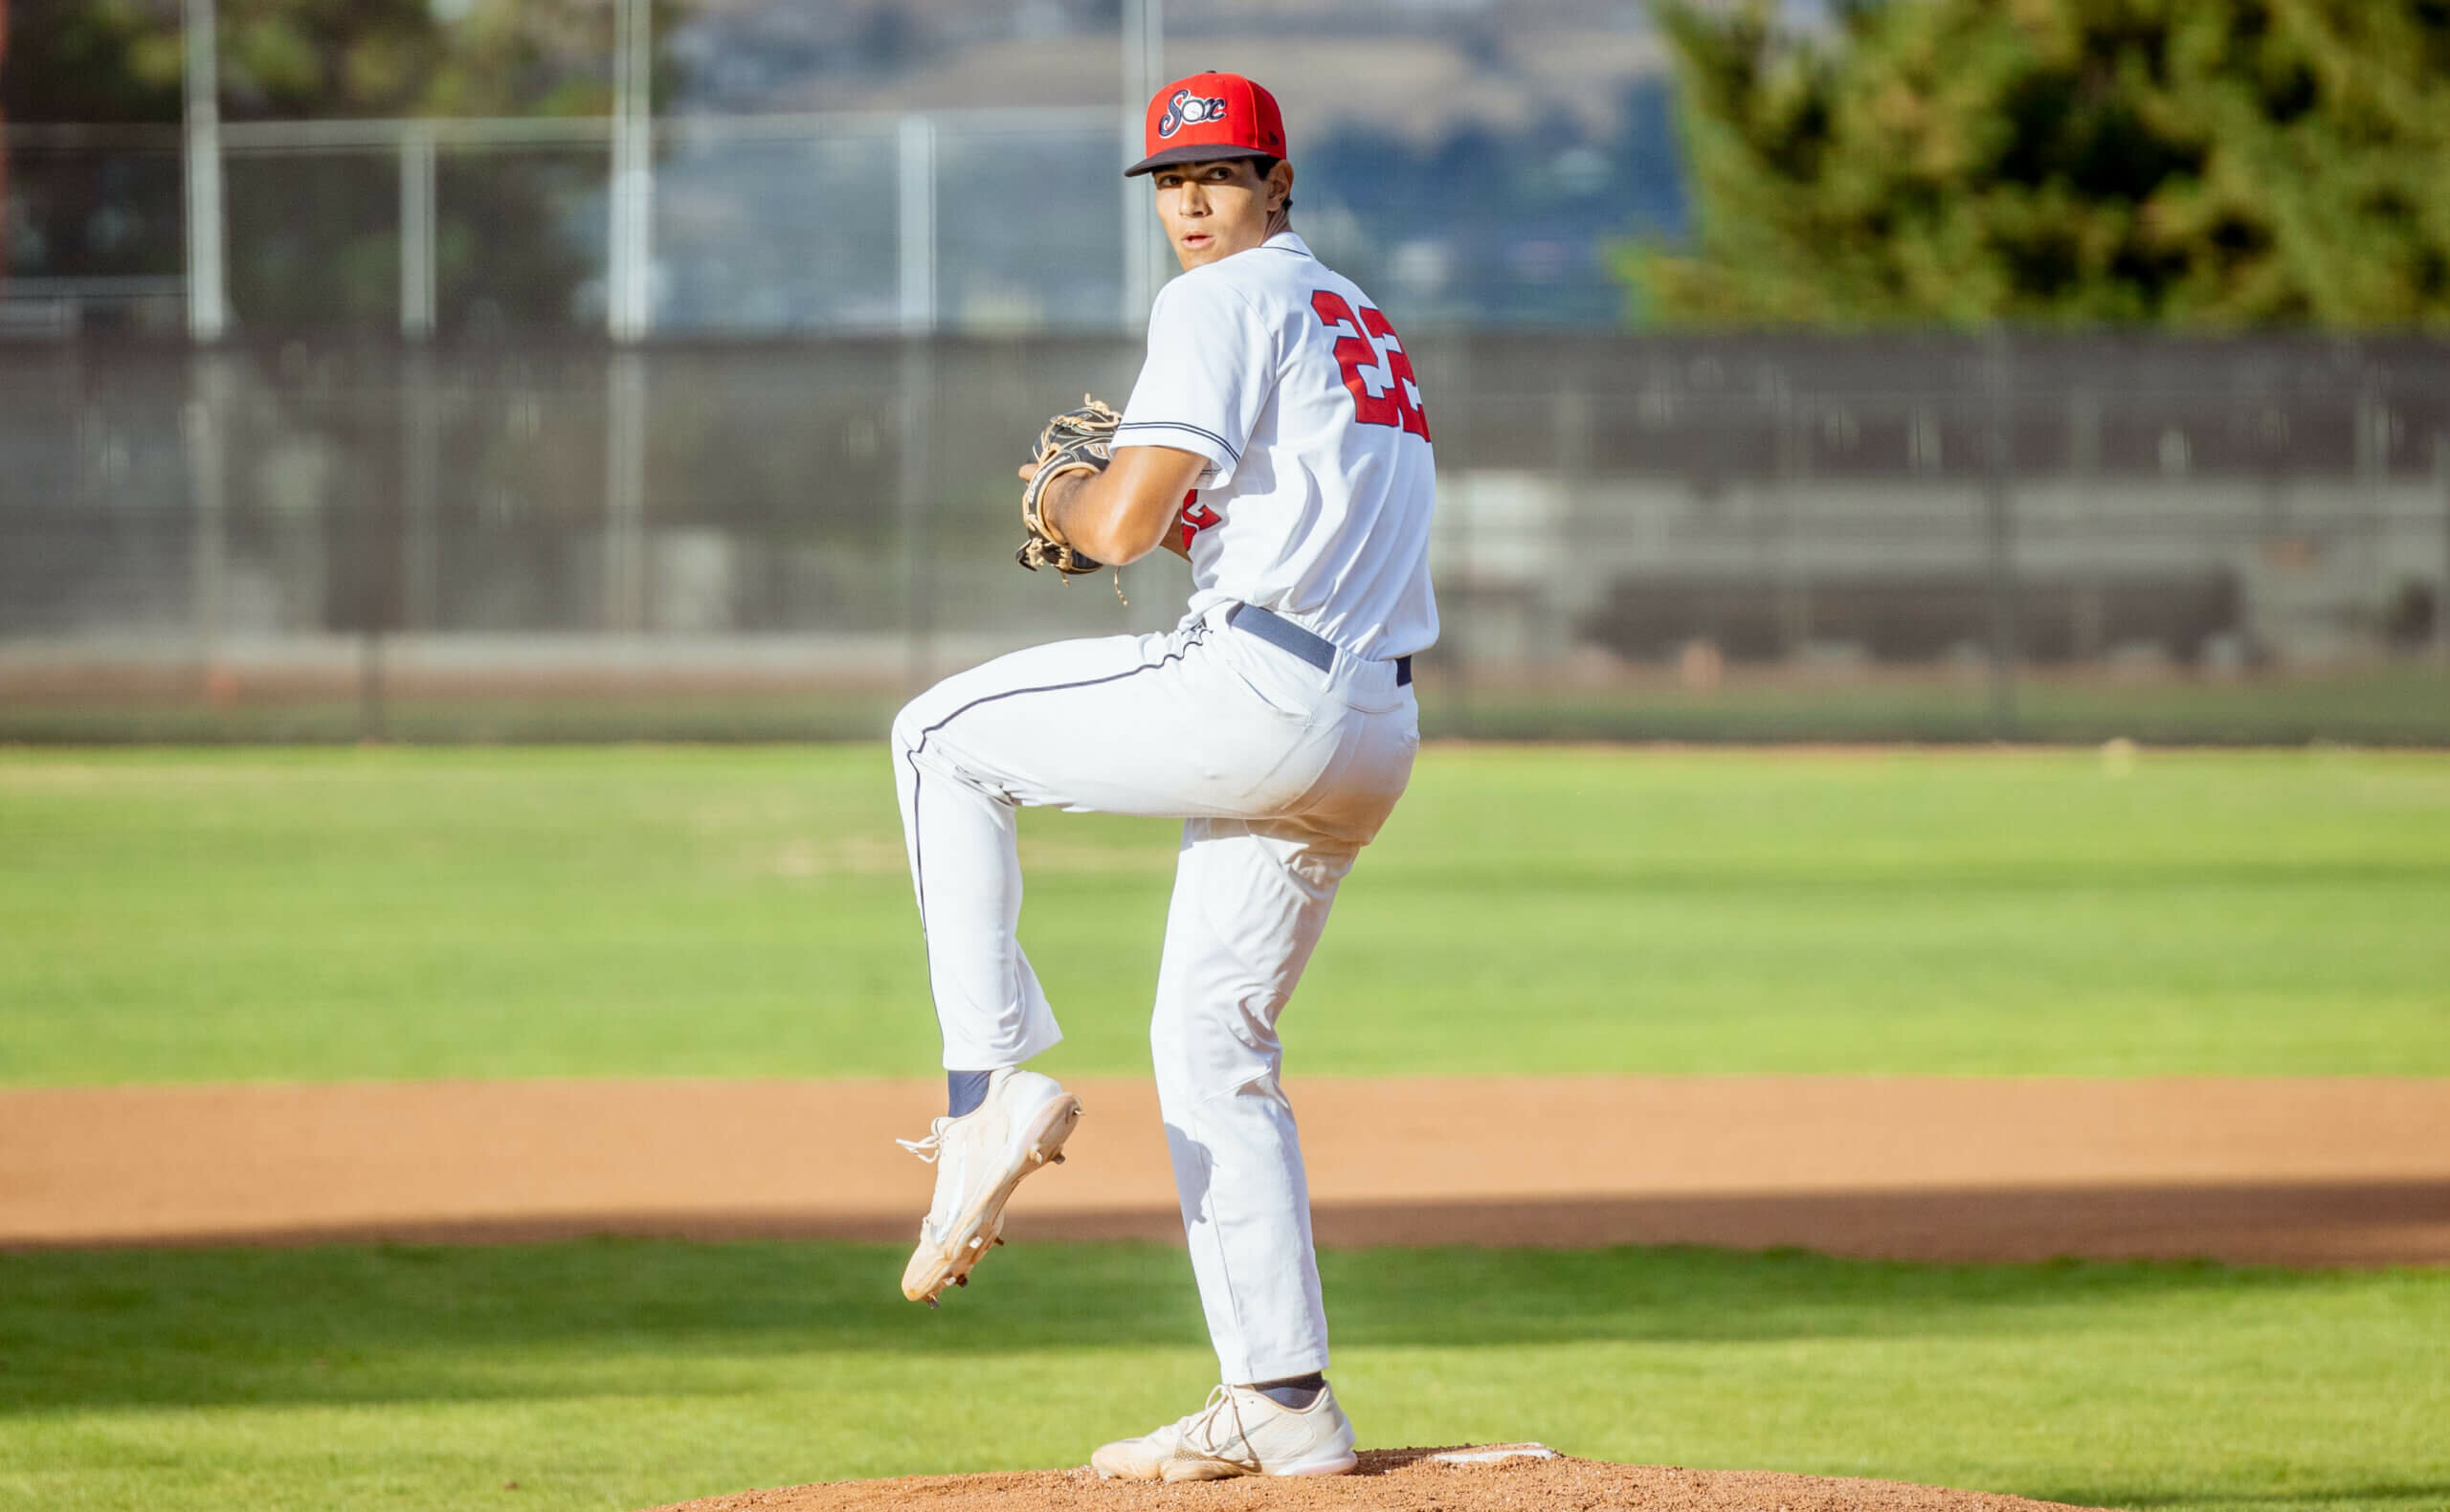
x: 1194, y: 152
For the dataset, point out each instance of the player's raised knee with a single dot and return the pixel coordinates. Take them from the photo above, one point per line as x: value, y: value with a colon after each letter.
x: 910, y: 725
x: 925, y: 712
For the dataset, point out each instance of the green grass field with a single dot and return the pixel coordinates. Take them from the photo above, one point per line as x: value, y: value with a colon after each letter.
x: 617, y: 1374
x: 319, y: 913
x: 329, y: 914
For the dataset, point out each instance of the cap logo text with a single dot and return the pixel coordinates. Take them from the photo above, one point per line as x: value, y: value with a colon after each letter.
x: 1184, y: 109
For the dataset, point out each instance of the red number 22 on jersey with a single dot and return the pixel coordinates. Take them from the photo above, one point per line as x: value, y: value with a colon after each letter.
x: 1355, y: 350
x: 1197, y: 517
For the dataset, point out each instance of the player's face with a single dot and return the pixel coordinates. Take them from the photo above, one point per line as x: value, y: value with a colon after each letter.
x: 1215, y: 210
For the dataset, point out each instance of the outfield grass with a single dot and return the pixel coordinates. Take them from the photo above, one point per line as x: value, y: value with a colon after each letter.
x: 622, y: 1374
x: 387, y: 913
x: 319, y: 914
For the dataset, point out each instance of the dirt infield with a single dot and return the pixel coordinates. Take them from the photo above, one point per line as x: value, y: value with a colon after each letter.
x: 1389, y: 1478
x: 2334, y: 1171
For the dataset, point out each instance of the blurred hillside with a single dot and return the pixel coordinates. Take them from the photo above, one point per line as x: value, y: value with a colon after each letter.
x: 1421, y: 70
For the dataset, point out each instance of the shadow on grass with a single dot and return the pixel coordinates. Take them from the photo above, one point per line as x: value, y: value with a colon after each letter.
x: 380, y: 1323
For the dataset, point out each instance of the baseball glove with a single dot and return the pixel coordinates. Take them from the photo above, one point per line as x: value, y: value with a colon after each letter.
x: 1077, y: 441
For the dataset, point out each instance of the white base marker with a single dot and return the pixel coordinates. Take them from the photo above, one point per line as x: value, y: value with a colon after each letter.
x: 1493, y: 1453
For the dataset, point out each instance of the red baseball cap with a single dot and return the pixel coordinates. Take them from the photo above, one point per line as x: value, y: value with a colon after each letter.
x: 1211, y: 116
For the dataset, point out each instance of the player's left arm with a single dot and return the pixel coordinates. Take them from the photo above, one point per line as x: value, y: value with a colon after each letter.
x: 1211, y: 367
x: 1122, y: 514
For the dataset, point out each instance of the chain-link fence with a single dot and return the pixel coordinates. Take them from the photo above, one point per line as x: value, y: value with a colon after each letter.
x: 951, y: 220
x: 1636, y: 538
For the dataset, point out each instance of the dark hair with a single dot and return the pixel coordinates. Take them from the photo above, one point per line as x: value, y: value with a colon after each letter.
x: 1267, y: 165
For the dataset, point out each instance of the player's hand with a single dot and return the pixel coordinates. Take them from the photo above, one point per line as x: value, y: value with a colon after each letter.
x: 1060, y: 489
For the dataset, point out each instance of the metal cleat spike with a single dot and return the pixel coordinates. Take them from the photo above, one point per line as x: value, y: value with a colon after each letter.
x: 1000, y: 1244
x: 931, y: 1304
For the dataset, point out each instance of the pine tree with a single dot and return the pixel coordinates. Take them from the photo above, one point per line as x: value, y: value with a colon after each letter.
x: 2203, y: 163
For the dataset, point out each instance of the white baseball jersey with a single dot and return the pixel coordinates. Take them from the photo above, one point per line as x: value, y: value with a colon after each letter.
x: 1316, y: 499
x: 1315, y: 505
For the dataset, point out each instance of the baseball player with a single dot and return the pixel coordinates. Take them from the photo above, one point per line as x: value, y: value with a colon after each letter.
x: 1275, y: 440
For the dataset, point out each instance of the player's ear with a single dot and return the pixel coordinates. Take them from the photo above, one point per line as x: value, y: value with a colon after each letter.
x: 1279, y: 186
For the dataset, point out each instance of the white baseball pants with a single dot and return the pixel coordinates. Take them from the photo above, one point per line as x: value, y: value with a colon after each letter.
x: 1281, y: 772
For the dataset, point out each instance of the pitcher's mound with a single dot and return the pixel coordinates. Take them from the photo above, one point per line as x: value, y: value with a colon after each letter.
x: 1466, y: 1479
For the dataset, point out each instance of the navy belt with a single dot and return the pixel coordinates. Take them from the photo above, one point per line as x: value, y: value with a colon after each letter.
x: 1316, y: 649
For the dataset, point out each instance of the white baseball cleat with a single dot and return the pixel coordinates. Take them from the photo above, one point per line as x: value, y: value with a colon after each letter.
x: 979, y: 1158
x: 1241, y: 1432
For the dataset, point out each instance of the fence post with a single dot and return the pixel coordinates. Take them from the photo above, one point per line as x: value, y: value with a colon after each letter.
x: 915, y: 156
x: 206, y: 490
x: 630, y: 254
x: 625, y: 488
x: 419, y: 486
x: 416, y: 413
x: 207, y: 298
x: 1143, y: 69
x: 915, y: 417
x: 416, y: 232
x: 1998, y: 511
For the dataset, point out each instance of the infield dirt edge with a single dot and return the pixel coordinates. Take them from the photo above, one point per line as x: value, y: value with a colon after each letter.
x: 1388, y: 1479
x: 2305, y: 1171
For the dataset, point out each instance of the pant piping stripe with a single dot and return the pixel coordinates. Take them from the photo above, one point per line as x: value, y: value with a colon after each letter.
x: 917, y: 850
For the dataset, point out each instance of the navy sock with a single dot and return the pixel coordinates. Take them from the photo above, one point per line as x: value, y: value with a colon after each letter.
x: 1296, y: 1392
x: 964, y: 1090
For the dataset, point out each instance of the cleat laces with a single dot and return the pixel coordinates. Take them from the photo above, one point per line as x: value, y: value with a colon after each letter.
x: 1197, y: 1432
x: 930, y: 1148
